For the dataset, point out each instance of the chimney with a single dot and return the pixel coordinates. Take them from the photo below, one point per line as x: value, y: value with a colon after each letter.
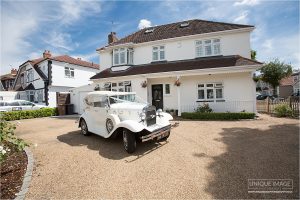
x: 46, y: 54
x: 112, y: 37
x: 13, y: 71
x: 78, y: 58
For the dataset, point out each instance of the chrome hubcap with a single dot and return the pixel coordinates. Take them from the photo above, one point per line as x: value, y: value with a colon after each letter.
x: 125, y: 140
x: 109, y: 125
x: 83, y: 127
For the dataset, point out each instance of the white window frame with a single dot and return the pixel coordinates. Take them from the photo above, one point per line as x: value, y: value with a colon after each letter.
x: 200, y: 47
x: 122, y: 86
x: 159, y: 49
x: 29, y: 76
x: 214, y: 88
x: 117, y: 54
x: 165, y: 91
x: 70, y: 70
x: 130, y: 53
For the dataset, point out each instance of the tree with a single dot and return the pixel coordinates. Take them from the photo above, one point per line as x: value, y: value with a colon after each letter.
x: 253, y: 54
x: 274, y: 71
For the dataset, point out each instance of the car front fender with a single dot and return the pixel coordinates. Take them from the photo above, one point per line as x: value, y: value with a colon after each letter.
x: 131, y: 125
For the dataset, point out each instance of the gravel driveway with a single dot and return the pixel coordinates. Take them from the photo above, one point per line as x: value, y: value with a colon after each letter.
x: 200, y: 160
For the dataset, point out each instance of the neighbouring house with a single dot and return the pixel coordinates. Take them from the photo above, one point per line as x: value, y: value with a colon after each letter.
x: 289, y: 85
x: 7, y: 80
x: 181, y: 66
x: 39, y: 80
x: 296, y: 78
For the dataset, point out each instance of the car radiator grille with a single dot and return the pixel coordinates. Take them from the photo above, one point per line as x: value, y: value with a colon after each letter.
x: 151, y: 116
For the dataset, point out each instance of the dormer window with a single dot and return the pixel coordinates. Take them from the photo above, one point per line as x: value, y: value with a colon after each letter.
x: 211, y: 47
x: 122, y: 56
x: 185, y: 24
x: 149, y: 30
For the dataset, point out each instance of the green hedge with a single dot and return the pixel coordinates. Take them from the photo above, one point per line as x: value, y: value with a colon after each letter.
x: 28, y: 114
x: 218, y: 116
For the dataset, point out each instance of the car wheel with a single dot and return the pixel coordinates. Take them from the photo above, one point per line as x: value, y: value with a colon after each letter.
x: 129, y: 141
x: 109, y: 125
x: 165, y: 138
x: 84, y: 128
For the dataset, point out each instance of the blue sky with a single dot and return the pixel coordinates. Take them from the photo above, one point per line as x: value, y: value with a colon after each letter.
x: 77, y: 28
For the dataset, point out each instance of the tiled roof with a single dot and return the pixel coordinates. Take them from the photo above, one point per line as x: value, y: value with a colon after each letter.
x: 287, y: 81
x: 67, y: 59
x: 173, y: 30
x: 182, y: 65
x: 8, y: 76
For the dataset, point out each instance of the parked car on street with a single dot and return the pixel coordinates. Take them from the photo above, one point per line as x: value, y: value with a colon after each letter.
x: 109, y: 113
x: 17, y: 105
x: 263, y: 97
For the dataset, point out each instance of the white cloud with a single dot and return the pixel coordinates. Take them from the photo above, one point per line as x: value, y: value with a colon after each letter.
x: 144, y: 23
x: 73, y: 10
x: 60, y: 40
x: 246, y: 3
x: 242, y: 18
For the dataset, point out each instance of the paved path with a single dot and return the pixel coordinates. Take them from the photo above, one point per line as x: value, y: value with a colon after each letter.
x: 200, y: 160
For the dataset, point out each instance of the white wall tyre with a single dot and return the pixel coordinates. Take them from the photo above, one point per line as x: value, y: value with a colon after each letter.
x: 84, y: 128
x: 166, y: 137
x: 129, y: 141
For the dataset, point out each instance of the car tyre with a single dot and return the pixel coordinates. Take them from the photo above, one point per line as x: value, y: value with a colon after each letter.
x: 129, y: 141
x: 84, y: 128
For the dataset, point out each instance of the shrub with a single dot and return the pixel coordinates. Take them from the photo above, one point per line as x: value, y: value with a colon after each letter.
x: 283, y: 110
x: 218, y: 116
x: 7, y: 137
x: 28, y: 114
x: 204, y: 108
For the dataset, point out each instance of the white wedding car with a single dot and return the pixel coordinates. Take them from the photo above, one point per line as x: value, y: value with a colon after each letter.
x: 109, y: 113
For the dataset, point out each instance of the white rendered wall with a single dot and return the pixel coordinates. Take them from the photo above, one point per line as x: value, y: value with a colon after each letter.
x: 231, y: 44
x: 239, y: 92
x: 82, y: 75
x: 8, y: 95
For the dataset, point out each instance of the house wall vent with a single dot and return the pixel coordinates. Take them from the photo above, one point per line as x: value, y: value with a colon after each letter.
x: 185, y: 24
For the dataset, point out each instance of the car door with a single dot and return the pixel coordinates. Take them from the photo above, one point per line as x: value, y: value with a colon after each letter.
x: 26, y: 105
x: 13, y: 106
x: 99, y: 114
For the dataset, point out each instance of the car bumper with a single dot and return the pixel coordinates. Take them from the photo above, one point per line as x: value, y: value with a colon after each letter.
x: 157, y: 134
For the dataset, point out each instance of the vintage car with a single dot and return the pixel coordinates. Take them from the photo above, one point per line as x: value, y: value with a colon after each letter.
x: 109, y: 113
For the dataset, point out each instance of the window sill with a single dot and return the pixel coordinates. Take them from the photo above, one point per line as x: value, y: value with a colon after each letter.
x: 198, y: 57
x: 214, y: 100
x: 159, y: 61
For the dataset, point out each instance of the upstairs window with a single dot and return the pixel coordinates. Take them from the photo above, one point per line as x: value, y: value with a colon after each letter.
x: 210, y: 47
x: 22, y: 79
x: 130, y: 56
x: 158, y: 53
x: 30, y: 75
x: 119, y: 56
x: 69, y: 72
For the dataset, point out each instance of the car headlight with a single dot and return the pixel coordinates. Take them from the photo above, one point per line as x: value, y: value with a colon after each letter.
x: 143, y: 116
x: 159, y: 112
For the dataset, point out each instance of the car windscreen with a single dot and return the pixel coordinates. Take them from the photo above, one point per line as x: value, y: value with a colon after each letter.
x: 13, y: 103
x: 125, y: 98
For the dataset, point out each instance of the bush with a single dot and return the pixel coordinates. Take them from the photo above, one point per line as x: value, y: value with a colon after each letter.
x: 204, y: 108
x: 283, y: 110
x: 218, y: 116
x: 28, y: 114
x: 7, y: 137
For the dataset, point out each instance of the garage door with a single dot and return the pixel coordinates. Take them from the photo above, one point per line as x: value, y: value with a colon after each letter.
x: 81, y: 103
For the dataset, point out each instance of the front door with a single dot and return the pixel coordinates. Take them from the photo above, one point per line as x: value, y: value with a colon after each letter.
x: 157, y: 96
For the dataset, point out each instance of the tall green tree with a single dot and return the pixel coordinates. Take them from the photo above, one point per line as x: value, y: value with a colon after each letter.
x: 253, y: 54
x: 273, y: 71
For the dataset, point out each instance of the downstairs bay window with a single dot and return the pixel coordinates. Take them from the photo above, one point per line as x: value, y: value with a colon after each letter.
x: 210, y: 92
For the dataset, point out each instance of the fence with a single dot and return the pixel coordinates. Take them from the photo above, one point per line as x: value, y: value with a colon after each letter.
x: 267, y: 106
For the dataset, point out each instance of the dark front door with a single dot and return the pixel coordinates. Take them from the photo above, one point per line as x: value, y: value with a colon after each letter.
x: 157, y: 96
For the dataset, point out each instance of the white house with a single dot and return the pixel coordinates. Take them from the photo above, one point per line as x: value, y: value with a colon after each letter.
x: 183, y: 65
x: 40, y: 80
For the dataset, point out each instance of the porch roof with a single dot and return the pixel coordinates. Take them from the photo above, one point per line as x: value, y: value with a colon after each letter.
x: 182, y: 65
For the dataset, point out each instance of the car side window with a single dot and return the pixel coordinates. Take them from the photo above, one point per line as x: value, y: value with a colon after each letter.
x: 3, y: 103
x: 14, y: 103
x: 26, y: 103
x: 100, y: 102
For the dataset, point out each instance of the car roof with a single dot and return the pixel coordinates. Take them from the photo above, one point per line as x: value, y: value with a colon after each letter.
x: 9, y: 101
x: 108, y: 93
